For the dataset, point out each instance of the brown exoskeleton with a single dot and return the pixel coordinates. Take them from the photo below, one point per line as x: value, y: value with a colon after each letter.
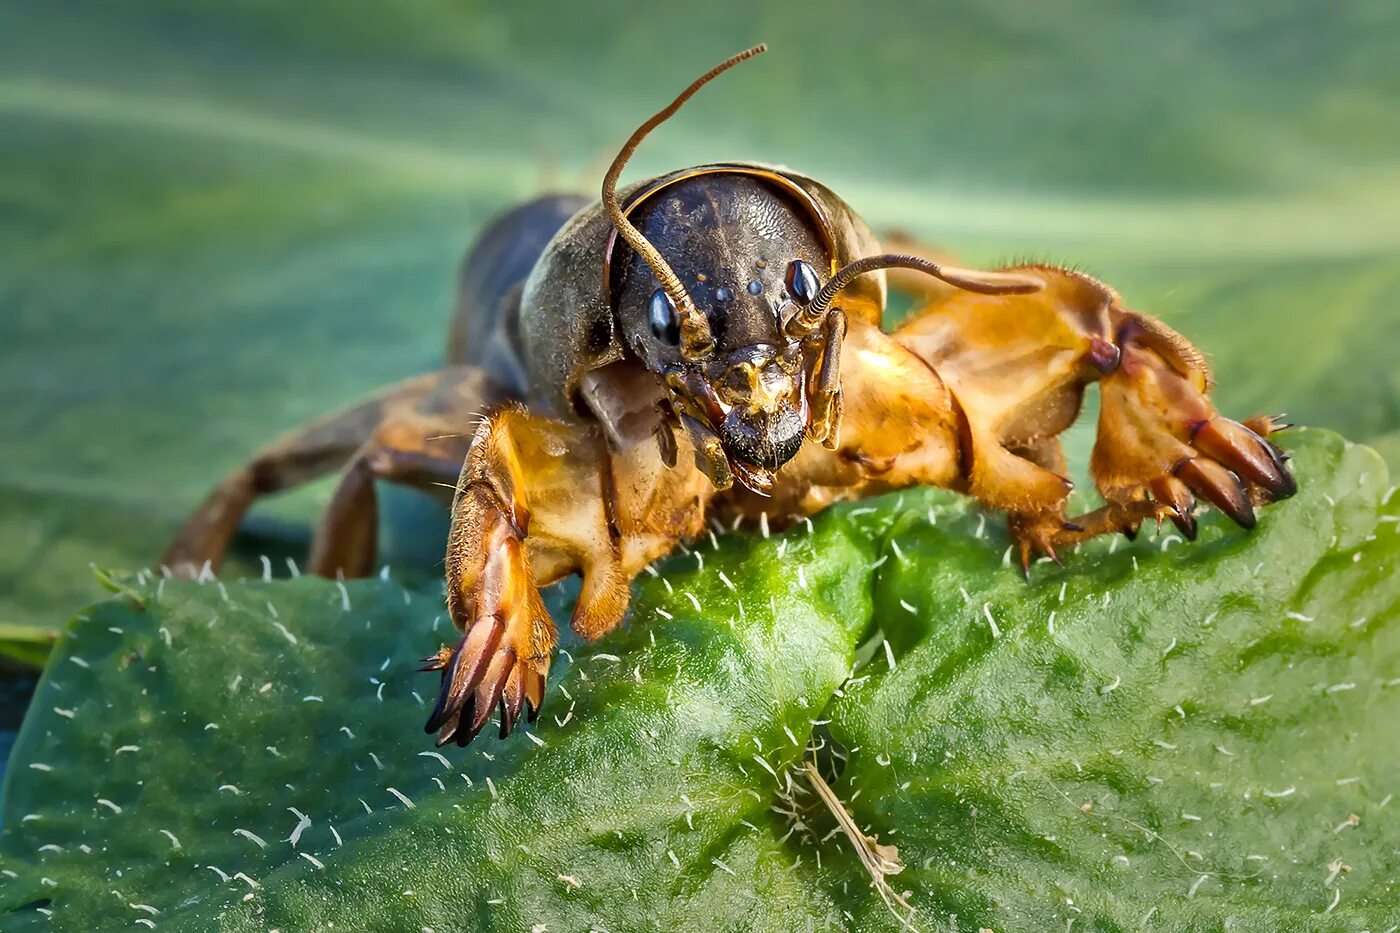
x: 710, y: 340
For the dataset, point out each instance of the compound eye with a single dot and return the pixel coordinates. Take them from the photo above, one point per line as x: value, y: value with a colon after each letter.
x: 801, y: 282
x: 665, y: 322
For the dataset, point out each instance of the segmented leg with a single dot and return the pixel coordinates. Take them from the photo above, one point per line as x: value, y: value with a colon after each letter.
x: 826, y: 394
x: 411, y: 450
x: 1162, y: 443
x: 1017, y: 367
x: 322, y: 447
x: 492, y: 595
x: 539, y: 499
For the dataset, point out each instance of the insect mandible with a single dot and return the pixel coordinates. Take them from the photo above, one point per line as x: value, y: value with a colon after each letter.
x: 709, y: 342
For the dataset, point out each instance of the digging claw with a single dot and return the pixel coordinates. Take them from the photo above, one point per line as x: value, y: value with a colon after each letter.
x: 512, y: 699
x: 534, y: 695
x: 481, y: 678
x: 450, y: 695
x: 481, y: 675
x: 1185, y: 523
x: 464, y: 673
x: 449, y: 730
x: 1219, y: 486
x: 500, y: 663
x: 488, y: 692
x: 1247, y: 453
x: 1180, y: 504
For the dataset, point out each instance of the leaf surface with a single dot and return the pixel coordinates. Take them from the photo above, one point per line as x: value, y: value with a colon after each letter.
x: 1203, y: 736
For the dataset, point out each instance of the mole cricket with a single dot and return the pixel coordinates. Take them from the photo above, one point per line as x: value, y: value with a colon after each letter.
x: 709, y: 343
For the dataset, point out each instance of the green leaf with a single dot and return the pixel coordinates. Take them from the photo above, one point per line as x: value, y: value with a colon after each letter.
x: 1191, y: 736
x: 1029, y: 777
x: 174, y: 734
x: 221, y: 220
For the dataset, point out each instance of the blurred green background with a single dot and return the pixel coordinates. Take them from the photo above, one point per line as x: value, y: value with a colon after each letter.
x: 219, y: 219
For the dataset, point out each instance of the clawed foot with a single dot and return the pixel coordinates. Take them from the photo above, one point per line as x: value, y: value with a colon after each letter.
x: 503, y: 657
x: 479, y: 675
x: 1037, y: 533
x: 1233, y: 466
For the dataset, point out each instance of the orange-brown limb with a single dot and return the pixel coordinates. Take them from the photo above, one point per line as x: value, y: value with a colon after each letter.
x: 539, y: 499
x: 410, y: 433
x: 1018, y: 366
x: 973, y: 391
x: 408, y: 452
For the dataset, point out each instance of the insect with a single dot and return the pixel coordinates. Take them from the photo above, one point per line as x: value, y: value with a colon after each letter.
x: 708, y: 342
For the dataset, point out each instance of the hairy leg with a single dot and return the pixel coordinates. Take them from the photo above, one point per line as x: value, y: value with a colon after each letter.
x: 300, y: 456
x: 425, y: 452
x: 1018, y: 366
x: 451, y: 398
x: 539, y: 499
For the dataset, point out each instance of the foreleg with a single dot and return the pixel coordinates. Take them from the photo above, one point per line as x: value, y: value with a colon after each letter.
x: 1161, y: 441
x: 1018, y: 366
x: 539, y: 499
